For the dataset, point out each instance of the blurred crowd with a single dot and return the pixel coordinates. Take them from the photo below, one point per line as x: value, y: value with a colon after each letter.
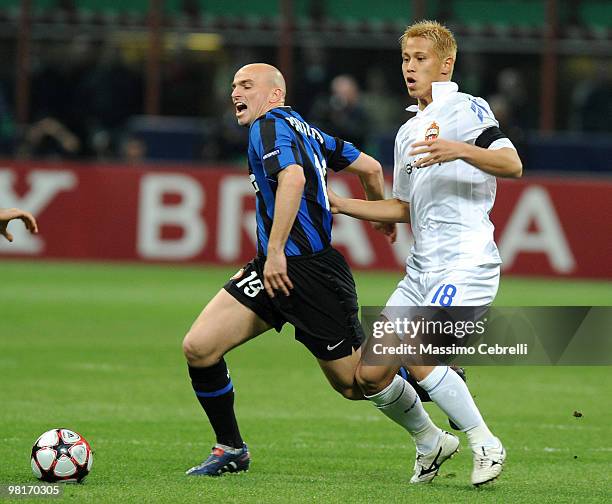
x: 86, y: 99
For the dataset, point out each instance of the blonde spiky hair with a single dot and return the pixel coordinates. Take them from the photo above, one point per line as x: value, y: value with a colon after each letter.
x: 443, y: 40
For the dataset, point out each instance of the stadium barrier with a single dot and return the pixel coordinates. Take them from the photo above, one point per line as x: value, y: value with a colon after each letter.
x: 544, y: 226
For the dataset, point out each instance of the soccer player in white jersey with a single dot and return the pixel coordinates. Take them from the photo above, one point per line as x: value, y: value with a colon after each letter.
x: 446, y: 159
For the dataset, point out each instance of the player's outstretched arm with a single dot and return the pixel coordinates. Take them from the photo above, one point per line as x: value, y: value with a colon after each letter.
x: 291, y: 183
x: 8, y: 214
x: 390, y: 210
x: 370, y: 174
x: 504, y: 162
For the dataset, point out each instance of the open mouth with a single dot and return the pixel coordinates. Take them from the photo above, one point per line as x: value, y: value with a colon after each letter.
x: 410, y: 81
x: 240, y: 107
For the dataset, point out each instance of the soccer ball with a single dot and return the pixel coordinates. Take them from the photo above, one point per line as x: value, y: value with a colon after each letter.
x: 61, y: 455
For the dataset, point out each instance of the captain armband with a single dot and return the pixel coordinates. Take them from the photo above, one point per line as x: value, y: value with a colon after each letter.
x: 488, y: 136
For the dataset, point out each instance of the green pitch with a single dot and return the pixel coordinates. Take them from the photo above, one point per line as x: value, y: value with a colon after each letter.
x: 97, y: 348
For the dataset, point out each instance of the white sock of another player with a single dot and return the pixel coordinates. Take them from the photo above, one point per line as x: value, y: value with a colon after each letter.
x: 400, y: 402
x: 451, y: 394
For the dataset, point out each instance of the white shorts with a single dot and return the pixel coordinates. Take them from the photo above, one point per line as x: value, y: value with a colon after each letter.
x: 473, y: 286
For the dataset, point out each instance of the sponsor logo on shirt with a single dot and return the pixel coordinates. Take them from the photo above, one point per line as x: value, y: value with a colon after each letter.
x: 275, y: 152
x: 409, y: 168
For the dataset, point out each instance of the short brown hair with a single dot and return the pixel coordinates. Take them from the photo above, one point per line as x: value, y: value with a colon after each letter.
x: 444, y: 43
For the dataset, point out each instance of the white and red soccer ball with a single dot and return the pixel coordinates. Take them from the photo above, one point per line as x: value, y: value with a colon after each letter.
x: 61, y: 455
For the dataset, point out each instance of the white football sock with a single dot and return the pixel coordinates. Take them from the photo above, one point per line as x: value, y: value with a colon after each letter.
x: 400, y: 402
x: 451, y: 394
x: 481, y: 436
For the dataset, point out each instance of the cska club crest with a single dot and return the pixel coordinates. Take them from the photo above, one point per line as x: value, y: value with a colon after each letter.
x: 432, y: 132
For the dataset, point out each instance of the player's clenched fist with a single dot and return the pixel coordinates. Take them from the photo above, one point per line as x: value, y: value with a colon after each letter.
x: 8, y: 214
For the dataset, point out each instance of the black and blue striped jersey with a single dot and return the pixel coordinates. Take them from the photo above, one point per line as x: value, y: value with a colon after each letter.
x: 281, y: 138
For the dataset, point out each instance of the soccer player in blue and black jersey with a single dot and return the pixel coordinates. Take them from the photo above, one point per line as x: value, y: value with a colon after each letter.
x: 297, y: 276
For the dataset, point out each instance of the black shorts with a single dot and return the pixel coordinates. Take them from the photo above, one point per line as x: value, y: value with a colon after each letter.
x: 322, y: 305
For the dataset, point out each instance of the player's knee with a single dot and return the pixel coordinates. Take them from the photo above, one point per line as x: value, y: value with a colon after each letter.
x: 370, y: 379
x: 198, y: 352
x: 190, y: 350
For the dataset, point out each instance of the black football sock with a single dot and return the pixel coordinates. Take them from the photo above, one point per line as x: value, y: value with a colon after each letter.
x: 215, y: 391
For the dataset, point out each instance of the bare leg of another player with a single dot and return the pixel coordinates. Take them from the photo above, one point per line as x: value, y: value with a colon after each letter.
x: 341, y: 375
x: 223, y: 324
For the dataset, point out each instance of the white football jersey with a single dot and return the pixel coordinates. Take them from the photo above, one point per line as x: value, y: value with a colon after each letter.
x: 449, y: 202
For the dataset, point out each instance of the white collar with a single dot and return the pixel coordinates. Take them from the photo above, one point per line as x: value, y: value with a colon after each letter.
x: 439, y: 90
